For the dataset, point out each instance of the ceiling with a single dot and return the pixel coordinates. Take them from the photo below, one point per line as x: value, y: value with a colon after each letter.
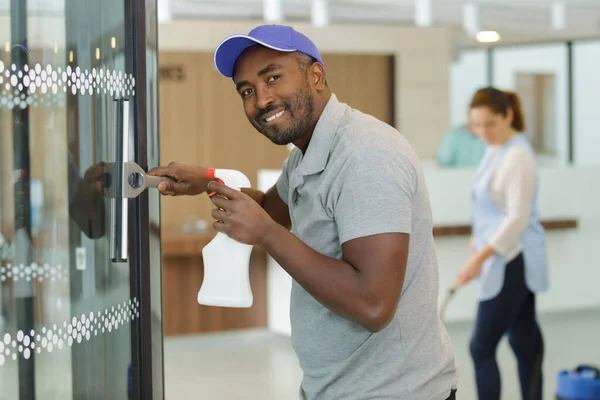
x: 515, y: 20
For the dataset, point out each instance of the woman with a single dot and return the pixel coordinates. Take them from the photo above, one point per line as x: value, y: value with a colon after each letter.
x: 508, y: 246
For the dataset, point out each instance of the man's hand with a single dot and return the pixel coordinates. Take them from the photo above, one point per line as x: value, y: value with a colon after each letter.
x: 190, y: 180
x: 87, y: 208
x: 239, y: 216
x: 92, y: 179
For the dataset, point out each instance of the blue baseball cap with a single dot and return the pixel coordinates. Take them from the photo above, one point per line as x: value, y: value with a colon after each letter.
x: 276, y: 37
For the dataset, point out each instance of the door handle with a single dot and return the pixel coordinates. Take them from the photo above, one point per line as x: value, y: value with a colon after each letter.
x: 138, y: 180
x: 123, y: 180
x: 115, y: 180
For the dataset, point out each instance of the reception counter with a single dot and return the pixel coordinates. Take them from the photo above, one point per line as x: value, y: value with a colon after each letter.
x: 566, y: 199
x: 183, y: 272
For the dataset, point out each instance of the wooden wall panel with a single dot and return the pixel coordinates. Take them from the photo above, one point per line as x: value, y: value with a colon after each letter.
x: 365, y: 82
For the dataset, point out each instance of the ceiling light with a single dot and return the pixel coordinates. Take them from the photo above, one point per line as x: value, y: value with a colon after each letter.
x: 423, y: 12
x: 488, y: 36
x: 470, y: 20
x: 320, y: 13
x: 559, y: 15
x: 164, y: 12
x: 272, y: 11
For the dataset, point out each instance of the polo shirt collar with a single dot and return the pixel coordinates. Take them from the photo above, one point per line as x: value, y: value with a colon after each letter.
x: 317, y: 154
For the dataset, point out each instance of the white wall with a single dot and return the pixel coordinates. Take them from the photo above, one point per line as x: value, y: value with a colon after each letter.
x: 586, y: 103
x: 467, y: 74
x: 542, y: 59
x: 566, y: 192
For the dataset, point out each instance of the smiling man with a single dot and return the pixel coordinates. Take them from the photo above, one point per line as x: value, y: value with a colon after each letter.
x: 361, y: 253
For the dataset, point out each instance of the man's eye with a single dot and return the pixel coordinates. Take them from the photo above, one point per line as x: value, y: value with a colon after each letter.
x: 247, y: 92
x: 273, y: 78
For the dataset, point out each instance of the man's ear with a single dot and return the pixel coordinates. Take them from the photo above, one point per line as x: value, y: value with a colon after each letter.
x: 317, y: 76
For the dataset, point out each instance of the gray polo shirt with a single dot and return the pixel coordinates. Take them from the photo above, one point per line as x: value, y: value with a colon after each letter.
x: 360, y: 177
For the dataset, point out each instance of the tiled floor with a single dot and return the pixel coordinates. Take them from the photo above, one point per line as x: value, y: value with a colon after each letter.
x: 259, y: 365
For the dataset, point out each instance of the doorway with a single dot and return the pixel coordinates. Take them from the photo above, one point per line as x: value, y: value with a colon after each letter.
x: 80, y: 301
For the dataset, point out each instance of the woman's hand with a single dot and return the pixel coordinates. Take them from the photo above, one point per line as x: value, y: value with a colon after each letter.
x: 472, y: 267
x: 473, y: 246
x: 469, y: 271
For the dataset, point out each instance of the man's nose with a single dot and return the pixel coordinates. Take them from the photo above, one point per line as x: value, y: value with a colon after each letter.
x: 264, y: 98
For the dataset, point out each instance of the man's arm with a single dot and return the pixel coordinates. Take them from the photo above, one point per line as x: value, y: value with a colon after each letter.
x: 373, y: 214
x: 86, y: 202
x: 364, y: 286
x: 193, y: 180
x: 276, y: 208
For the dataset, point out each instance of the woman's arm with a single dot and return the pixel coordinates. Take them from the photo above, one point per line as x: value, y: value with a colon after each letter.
x: 517, y: 181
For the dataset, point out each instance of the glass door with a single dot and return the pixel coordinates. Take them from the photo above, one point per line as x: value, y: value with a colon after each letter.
x: 80, y: 282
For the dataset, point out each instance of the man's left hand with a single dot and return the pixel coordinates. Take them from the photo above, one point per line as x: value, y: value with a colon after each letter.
x: 238, y: 215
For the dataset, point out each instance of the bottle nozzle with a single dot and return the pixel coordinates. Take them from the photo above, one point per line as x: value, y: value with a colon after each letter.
x: 230, y: 177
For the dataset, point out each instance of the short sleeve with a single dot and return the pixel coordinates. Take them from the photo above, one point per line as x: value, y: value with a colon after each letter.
x: 282, y: 183
x: 376, y: 192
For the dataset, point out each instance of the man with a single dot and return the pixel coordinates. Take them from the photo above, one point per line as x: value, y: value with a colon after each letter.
x: 360, y: 251
x: 460, y: 148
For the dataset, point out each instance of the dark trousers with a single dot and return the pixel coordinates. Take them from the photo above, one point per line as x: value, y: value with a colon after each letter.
x: 452, y: 395
x: 511, y: 312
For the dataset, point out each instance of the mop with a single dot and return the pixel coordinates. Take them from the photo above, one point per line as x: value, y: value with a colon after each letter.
x: 447, y: 298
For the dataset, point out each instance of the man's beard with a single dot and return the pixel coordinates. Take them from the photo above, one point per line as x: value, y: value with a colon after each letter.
x: 300, y: 109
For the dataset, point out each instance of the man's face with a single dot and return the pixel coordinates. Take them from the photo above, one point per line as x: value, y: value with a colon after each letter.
x: 276, y: 93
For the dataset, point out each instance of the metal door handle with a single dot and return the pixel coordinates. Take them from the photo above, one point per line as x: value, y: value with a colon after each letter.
x: 123, y: 180
x: 117, y: 181
x: 138, y: 180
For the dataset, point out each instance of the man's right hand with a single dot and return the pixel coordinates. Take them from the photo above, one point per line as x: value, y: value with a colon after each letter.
x: 190, y: 180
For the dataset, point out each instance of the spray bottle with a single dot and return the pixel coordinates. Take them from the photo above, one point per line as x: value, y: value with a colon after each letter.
x: 226, y: 261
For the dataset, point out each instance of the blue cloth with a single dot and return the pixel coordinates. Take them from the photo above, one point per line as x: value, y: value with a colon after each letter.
x: 460, y: 149
x: 487, y: 218
x: 512, y: 312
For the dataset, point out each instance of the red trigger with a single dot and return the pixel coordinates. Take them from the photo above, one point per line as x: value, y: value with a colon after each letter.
x: 211, y: 174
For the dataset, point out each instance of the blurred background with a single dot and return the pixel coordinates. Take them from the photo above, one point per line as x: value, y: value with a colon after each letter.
x: 414, y: 64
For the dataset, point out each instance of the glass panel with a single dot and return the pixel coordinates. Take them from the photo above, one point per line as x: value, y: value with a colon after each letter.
x: 540, y: 72
x: 70, y: 314
x: 468, y: 73
x: 586, y: 86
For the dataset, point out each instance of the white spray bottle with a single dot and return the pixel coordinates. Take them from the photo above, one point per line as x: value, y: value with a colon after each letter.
x: 226, y: 261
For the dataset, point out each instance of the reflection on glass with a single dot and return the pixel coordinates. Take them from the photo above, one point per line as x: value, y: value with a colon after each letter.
x: 66, y: 310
